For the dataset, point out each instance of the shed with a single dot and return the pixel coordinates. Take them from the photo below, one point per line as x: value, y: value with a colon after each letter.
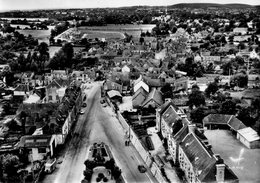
x: 249, y: 137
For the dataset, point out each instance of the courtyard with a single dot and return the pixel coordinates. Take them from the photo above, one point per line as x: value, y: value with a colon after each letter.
x: 244, y: 162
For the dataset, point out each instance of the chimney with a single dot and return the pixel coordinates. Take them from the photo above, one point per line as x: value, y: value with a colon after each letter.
x: 192, y: 128
x: 220, y: 174
x: 167, y: 100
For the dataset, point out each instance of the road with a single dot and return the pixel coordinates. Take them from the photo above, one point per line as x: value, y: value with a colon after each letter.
x: 98, y: 124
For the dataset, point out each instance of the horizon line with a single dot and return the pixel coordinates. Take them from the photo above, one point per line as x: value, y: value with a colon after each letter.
x: 34, y: 9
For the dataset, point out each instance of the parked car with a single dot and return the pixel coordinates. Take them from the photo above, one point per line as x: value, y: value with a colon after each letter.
x: 84, y: 105
x: 142, y: 169
x: 50, y: 165
x: 81, y: 112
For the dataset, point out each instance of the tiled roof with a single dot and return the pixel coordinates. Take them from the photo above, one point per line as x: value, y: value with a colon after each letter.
x: 140, y: 91
x: 170, y: 116
x: 153, y: 82
x: 23, y: 87
x: 154, y: 95
x: 35, y: 141
x: 113, y: 93
x: 164, y: 106
x: 217, y: 119
x: 58, y: 83
x: 198, y: 155
x: 236, y: 124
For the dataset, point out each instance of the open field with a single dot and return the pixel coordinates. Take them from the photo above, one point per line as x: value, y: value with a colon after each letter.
x: 41, y: 35
x: 226, y: 145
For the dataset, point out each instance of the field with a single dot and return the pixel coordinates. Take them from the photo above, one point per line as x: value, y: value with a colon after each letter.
x: 41, y: 35
x: 228, y: 147
x: 115, y: 31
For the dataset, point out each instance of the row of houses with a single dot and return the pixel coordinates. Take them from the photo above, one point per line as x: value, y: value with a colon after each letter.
x: 189, y: 148
x: 44, y: 125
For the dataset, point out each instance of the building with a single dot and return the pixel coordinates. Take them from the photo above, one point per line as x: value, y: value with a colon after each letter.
x: 153, y: 100
x: 56, y: 90
x: 139, y: 97
x: 140, y: 83
x: 38, y: 146
x: 200, y: 164
x: 249, y: 137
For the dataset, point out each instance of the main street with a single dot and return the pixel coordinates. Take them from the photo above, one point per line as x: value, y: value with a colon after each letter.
x: 98, y: 124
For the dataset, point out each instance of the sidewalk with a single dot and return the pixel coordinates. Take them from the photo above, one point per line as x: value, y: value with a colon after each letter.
x: 133, y: 153
x: 160, y: 151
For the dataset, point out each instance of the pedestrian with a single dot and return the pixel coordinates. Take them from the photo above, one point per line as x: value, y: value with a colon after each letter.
x: 125, y: 143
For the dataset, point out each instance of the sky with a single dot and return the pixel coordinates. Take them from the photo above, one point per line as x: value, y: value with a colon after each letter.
x: 6, y: 5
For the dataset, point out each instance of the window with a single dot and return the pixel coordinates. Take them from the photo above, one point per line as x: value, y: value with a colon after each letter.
x: 50, y: 97
x: 42, y: 150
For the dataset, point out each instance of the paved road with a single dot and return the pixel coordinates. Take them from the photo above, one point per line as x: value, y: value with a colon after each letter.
x: 96, y: 125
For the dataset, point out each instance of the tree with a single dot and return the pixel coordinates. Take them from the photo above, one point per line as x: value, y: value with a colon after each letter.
x: 227, y: 68
x: 228, y: 107
x: 68, y: 54
x: 10, y: 165
x: 197, y: 115
x: 196, y: 98
x: 167, y: 91
x: 211, y: 89
x: 245, y: 117
x: 240, y: 80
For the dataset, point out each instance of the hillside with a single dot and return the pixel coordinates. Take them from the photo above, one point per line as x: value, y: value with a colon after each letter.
x: 207, y: 5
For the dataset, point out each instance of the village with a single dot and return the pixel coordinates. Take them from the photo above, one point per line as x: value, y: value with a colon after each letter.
x: 184, y: 96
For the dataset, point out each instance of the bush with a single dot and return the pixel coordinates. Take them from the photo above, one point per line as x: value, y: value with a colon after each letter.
x: 101, y: 175
x: 98, y: 179
x: 105, y: 179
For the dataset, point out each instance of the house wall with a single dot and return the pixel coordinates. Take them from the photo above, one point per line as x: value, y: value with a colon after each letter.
x: 158, y: 120
x: 186, y: 166
x: 151, y: 103
x: 138, y: 100
x: 59, y: 139
x: 36, y: 155
x: 19, y: 93
x: 141, y: 84
x: 173, y: 148
x: 250, y: 145
x: 53, y: 93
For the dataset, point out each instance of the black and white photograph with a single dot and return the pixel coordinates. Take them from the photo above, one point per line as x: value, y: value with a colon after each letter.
x: 129, y: 91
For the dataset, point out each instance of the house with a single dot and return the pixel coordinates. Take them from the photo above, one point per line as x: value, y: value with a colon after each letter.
x: 56, y: 90
x: 115, y: 96
x: 38, y: 146
x: 169, y: 117
x: 222, y: 121
x: 240, y: 30
x: 200, y: 164
x: 154, y: 99
x: 67, y: 112
x: 249, y: 137
x: 22, y: 90
x: 80, y: 76
x: 56, y: 74
x: 111, y: 85
x: 34, y: 98
x: 125, y: 69
x: 27, y: 77
x: 36, y: 116
x: 140, y: 83
x: 139, y: 97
